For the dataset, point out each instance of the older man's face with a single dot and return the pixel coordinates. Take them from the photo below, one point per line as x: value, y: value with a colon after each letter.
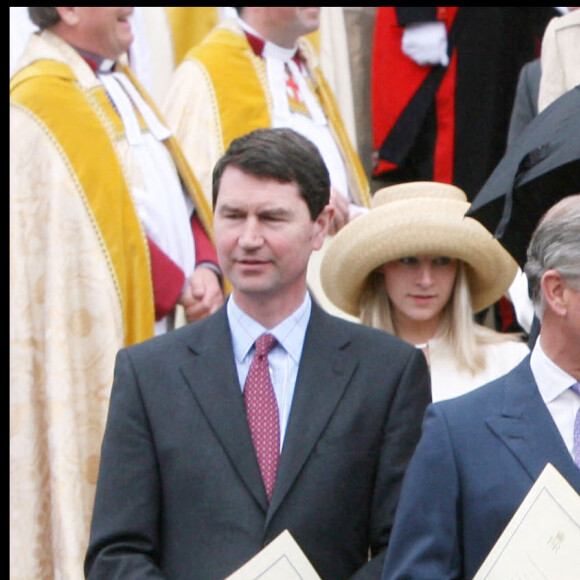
x: 573, y: 318
x: 104, y: 31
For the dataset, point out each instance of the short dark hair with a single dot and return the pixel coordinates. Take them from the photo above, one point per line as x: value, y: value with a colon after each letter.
x: 283, y: 155
x: 44, y: 16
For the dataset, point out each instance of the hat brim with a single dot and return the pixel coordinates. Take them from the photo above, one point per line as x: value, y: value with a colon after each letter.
x: 413, y: 227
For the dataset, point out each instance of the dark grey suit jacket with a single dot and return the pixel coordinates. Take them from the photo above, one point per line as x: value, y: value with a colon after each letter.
x: 180, y: 494
x: 525, y: 107
x: 477, y: 459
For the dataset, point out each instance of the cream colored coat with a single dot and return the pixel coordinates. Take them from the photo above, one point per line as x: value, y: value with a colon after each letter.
x: 560, y: 57
x: 448, y: 381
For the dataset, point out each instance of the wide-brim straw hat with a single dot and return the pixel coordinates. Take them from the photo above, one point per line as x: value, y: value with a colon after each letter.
x: 412, y: 219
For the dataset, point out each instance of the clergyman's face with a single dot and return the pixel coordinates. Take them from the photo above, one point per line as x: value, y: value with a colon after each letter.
x: 105, y: 31
x: 287, y: 24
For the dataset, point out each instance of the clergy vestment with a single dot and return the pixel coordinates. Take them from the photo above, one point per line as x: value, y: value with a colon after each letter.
x: 81, y: 288
x: 222, y: 90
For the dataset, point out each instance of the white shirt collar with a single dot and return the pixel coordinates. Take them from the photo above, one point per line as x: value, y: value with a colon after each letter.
x: 290, y: 333
x: 552, y: 381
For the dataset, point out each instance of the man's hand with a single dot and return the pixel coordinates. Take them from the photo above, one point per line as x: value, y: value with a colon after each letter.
x: 202, y: 295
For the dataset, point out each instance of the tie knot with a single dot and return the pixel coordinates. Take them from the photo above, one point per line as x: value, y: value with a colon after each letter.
x: 576, y: 388
x: 264, y: 344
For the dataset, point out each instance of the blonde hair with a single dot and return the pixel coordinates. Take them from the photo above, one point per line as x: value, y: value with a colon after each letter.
x: 457, y: 326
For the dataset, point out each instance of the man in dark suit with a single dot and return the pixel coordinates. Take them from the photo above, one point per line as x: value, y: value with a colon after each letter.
x: 525, y: 106
x: 181, y: 493
x: 480, y: 453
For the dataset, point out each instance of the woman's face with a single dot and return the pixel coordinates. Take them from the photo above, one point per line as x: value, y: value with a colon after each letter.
x: 419, y: 287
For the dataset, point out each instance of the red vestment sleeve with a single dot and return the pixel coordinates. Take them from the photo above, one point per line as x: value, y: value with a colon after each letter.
x: 204, y: 248
x: 168, y: 279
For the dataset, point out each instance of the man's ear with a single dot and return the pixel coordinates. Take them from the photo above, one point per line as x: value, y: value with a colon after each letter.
x: 554, y: 290
x: 68, y: 14
x: 321, y: 227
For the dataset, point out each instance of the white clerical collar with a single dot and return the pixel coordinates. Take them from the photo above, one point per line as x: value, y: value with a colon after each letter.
x: 270, y: 50
x: 99, y: 64
x: 106, y: 65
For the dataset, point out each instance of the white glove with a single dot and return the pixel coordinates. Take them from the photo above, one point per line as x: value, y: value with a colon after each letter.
x: 426, y: 43
x: 520, y: 299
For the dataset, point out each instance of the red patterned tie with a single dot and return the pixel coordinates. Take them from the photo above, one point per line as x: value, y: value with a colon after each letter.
x: 262, y: 412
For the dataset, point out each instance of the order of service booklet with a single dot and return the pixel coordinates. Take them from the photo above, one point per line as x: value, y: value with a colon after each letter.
x: 281, y: 559
x: 542, y: 540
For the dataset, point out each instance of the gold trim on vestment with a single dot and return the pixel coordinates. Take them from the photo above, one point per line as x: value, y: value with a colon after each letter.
x: 240, y: 86
x: 49, y: 90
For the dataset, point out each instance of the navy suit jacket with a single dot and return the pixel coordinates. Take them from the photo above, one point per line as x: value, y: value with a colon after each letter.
x: 180, y: 493
x: 478, y: 457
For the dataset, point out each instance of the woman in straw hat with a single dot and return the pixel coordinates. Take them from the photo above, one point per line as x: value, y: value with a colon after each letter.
x: 416, y: 267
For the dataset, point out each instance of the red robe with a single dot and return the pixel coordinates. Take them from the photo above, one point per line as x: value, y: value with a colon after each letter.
x: 455, y: 130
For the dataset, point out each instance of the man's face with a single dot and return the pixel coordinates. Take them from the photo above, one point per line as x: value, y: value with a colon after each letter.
x: 104, y: 31
x: 291, y: 23
x: 264, y: 237
x: 573, y: 317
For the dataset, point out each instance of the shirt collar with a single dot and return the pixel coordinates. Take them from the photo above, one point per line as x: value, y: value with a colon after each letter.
x: 290, y: 333
x: 552, y: 381
x: 97, y: 63
x: 266, y: 49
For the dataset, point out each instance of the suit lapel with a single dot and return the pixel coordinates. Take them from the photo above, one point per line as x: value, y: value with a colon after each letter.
x: 212, y: 377
x: 526, y: 427
x: 324, y: 374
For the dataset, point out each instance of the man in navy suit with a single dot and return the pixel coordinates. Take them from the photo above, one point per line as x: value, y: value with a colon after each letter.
x: 480, y: 453
x: 180, y: 493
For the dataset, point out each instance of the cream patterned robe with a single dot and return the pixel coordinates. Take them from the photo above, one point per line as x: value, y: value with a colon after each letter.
x: 66, y: 326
